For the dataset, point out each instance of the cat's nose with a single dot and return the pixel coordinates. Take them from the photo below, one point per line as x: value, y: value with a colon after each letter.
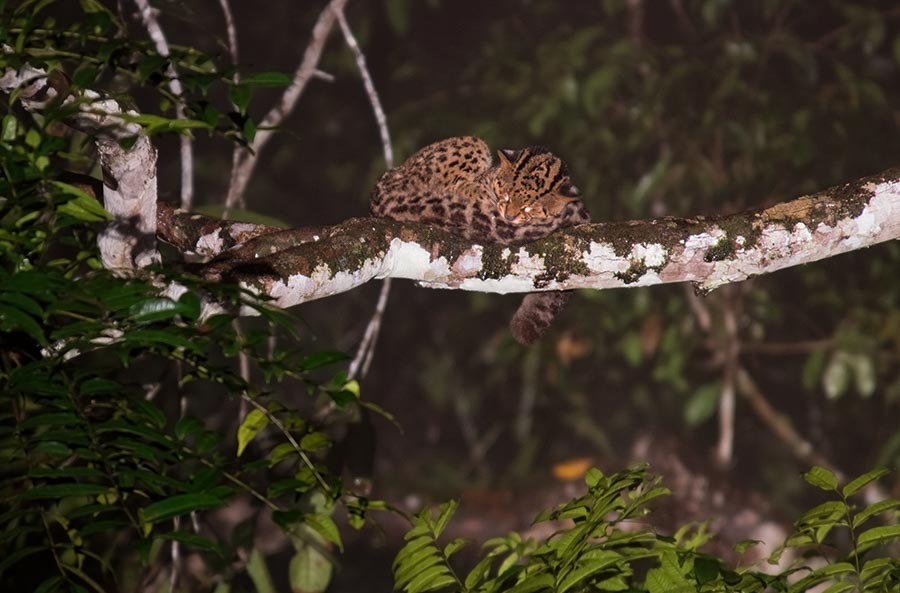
x: 510, y: 217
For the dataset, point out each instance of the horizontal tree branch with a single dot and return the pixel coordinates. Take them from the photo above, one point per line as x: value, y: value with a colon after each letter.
x: 298, y: 265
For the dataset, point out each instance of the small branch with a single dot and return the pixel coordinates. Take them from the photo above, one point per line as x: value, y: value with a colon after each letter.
x: 779, y: 425
x: 287, y: 434
x: 380, y: 117
x: 151, y: 23
x: 362, y: 359
x: 231, y: 31
x: 237, y: 152
x: 240, y: 174
x: 732, y: 347
x: 366, y: 349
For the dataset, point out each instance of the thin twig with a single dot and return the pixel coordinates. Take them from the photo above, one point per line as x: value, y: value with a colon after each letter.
x: 151, y: 23
x: 779, y: 425
x: 287, y: 434
x: 731, y: 348
x: 176, y: 557
x: 232, y: 35
x: 244, y: 366
x: 237, y: 152
x: 240, y: 174
x: 380, y: 117
x: 366, y: 350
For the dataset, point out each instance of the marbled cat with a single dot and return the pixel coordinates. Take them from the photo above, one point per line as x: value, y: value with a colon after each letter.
x: 454, y: 185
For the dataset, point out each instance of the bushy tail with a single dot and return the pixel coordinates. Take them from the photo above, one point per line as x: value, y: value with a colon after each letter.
x: 535, y: 314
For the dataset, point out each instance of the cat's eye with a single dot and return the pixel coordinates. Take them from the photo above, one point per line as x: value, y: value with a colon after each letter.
x: 527, y: 209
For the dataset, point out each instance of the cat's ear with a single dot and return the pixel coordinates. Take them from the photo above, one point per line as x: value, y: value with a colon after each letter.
x: 569, y: 190
x: 508, y: 156
x: 562, y: 197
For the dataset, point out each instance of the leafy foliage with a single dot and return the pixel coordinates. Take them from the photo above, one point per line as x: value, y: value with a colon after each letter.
x: 93, y: 453
x: 602, y: 543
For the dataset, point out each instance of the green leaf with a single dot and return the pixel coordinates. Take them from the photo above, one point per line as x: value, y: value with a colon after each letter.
x: 14, y: 319
x: 164, y: 337
x: 702, y: 404
x: 9, y: 128
x: 187, y: 426
x: 193, y: 540
x: 52, y: 419
x: 255, y: 421
x: 53, y: 449
x: 52, y: 491
x: 821, y: 575
x: 446, y: 513
x: 259, y: 572
x: 156, y: 309
x: 99, y: 386
x: 25, y: 303
x: 821, y: 477
x: 179, y: 505
x: 412, y: 546
x: 878, y: 535
x: 841, y: 587
x: 477, y: 574
x: 309, y: 571
x: 321, y: 359
x: 862, y: 481
x: 430, y: 579
x: 836, y: 377
x: 745, y: 544
x: 668, y: 577
x: 874, y: 566
x: 239, y: 95
x: 605, y: 560
x: 827, y: 512
x: 82, y: 206
x: 416, y: 563
x: 56, y: 473
x: 314, y: 441
x: 281, y: 452
x: 454, y: 546
x: 882, y: 506
x: 324, y: 525
x: 155, y: 123
x: 706, y: 569
x: 530, y: 584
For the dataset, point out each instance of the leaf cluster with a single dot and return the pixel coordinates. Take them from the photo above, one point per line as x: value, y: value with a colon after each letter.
x: 602, y: 542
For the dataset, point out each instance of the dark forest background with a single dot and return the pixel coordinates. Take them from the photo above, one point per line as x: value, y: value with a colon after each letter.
x: 677, y: 107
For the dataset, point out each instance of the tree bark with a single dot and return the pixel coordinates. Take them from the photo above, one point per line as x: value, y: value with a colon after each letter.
x: 299, y: 265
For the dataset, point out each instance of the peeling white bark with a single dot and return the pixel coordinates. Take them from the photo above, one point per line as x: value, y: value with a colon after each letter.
x: 776, y: 240
x: 129, y: 190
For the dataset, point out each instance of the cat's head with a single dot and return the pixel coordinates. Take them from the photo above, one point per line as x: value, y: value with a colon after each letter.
x: 532, y: 184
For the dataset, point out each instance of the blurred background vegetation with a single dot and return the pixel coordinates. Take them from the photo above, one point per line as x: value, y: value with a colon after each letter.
x: 660, y: 108
x: 670, y: 107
